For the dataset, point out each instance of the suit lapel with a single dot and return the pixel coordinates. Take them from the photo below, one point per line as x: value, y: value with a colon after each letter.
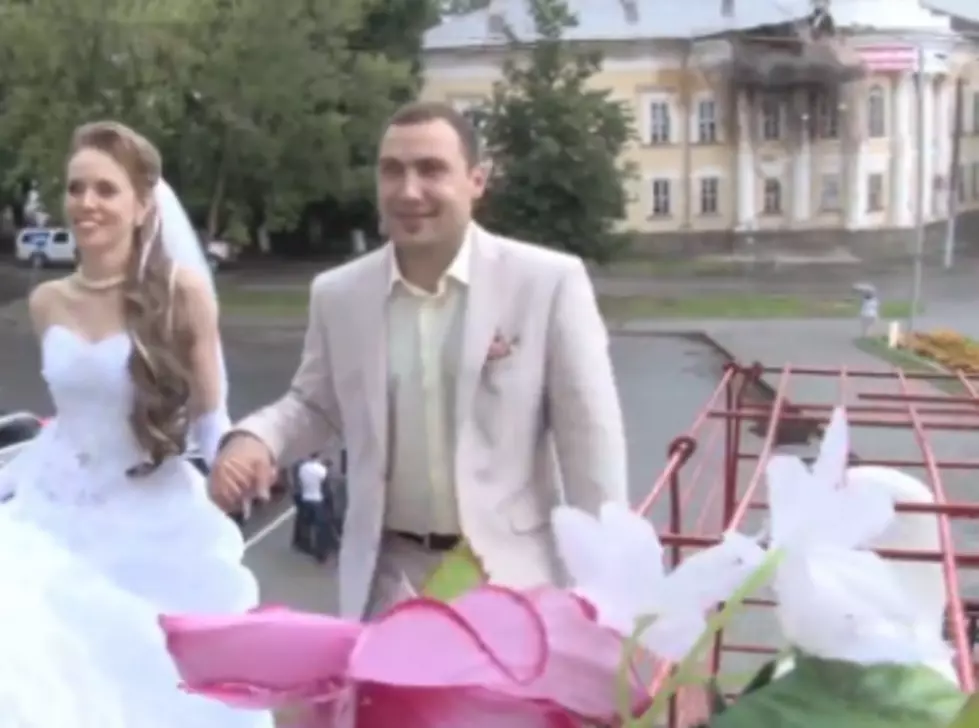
x: 481, y: 318
x: 369, y: 316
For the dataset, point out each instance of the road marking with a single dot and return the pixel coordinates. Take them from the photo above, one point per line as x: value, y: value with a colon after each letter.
x: 269, y: 528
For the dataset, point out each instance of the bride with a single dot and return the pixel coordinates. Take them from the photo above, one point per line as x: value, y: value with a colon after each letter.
x: 132, y: 357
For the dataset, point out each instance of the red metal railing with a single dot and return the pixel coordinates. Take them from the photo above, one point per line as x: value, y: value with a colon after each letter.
x: 705, y: 499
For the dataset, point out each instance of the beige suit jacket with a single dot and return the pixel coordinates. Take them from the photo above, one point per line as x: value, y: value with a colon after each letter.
x: 540, y: 426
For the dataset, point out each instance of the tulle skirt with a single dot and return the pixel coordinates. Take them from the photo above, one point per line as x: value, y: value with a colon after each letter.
x: 81, y: 591
x: 78, y: 652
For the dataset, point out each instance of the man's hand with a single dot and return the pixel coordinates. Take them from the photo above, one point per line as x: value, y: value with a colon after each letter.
x: 243, y: 469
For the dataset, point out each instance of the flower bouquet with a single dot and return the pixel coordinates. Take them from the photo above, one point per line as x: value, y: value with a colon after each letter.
x: 865, y: 635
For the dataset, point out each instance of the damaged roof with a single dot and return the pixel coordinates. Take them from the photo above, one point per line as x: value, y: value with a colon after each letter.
x: 604, y: 20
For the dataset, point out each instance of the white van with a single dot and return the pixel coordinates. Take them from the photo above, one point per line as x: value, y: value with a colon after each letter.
x: 41, y: 247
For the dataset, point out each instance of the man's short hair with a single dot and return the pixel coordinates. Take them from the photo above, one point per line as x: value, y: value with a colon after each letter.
x: 422, y: 112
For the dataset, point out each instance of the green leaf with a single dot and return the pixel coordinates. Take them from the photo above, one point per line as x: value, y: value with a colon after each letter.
x: 968, y: 717
x: 718, y: 703
x: 761, y: 678
x: 459, y: 572
x: 830, y: 694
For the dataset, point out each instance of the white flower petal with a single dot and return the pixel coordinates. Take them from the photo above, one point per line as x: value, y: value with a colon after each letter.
x: 580, y: 545
x: 612, y: 611
x: 834, y: 451
x: 635, y: 555
x: 673, y: 635
x: 615, y: 563
x: 793, y: 500
x: 710, y: 576
x: 862, y: 513
x: 847, y: 605
x: 632, y: 532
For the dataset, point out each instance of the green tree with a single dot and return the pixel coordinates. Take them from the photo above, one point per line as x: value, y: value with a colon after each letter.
x: 278, y: 95
x: 555, y: 144
x: 390, y: 29
x: 461, y: 7
x: 259, y: 108
x: 67, y: 61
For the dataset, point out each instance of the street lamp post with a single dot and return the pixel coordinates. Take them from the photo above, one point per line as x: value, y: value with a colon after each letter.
x: 919, y: 216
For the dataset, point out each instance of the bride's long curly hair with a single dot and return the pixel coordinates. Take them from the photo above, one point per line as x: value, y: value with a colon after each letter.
x: 154, y: 315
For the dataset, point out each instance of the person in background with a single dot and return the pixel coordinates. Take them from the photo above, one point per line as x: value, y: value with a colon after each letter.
x: 319, y: 512
x: 869, y: 312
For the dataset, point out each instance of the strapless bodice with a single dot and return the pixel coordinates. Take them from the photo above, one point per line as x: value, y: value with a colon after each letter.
x: 83, y: 455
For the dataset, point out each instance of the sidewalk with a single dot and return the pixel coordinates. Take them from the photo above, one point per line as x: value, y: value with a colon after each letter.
x: 831, y: 344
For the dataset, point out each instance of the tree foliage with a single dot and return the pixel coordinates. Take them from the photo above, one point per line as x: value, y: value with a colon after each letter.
x: 461, y: 7
x: 259, y: 108
x: 555, y: 144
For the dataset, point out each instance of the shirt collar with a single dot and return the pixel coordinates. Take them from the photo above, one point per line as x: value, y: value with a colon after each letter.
x: 457, y: 271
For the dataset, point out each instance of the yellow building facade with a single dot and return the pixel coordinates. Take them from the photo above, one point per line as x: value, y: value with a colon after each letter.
x: 710, y: 158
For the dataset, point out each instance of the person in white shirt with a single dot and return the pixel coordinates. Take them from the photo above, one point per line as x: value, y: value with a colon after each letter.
x: 869, y: 313
x: 318, y: 523
x: 311, y: 476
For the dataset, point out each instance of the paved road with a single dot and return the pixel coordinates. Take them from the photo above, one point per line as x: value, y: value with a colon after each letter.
x: 892, y: 279
x: 664, y: 382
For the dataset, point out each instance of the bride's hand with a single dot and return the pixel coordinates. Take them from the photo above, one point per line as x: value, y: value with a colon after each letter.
x: 243, y: 470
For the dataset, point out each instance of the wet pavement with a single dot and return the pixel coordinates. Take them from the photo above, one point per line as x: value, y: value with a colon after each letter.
x: 664, y: 382
x: 665, y: 378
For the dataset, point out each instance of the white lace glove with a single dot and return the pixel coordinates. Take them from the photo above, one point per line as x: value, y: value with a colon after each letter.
x: 207, y: 431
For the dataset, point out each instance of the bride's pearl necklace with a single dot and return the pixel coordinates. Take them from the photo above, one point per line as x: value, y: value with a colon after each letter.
x: 100, y: 284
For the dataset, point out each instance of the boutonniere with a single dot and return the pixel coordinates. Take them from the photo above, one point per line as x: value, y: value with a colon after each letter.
x: 501, y: 347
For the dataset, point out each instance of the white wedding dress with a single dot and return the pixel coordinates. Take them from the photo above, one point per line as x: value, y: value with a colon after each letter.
x: 93, y: 557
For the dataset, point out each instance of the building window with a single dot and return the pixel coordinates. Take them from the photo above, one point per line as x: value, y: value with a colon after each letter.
x: 827, y: 116
x: 829, y: 196
x: 661, y: 198
x: 876, y: 113
x: 709, y: 189
x: 960, y: 182
x: 875, y: 192
x: 975, y: 112
x: 707, y: 121
x: 772, y: 198
x: 659, y: 122
x: 771, y: 119
x: 937, y: 193
x: 975, y: 180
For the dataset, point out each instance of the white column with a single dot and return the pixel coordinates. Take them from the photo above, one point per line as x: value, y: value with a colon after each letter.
x: 747, y: 207
x: 859, y: 186
x: 902, y: 152
x: 853, y: 122
x: 802, y: 163
x: 943, y: 137
x: 928, y: 102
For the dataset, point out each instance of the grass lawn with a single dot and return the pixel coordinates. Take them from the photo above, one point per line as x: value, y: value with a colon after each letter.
x: 272, y: 302
x: 910, y: 362
x: 738, y: 306
x: 637, y: 267
x: 293, y: 302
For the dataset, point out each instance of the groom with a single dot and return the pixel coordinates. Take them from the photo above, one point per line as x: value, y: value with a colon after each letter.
x: 468, y: 375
